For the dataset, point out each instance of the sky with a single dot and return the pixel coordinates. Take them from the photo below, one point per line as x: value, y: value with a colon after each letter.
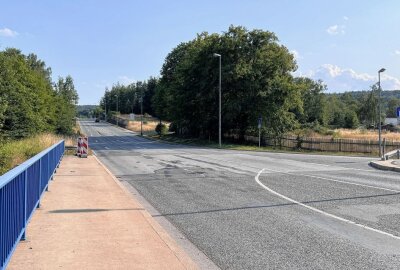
x: 100, y: 43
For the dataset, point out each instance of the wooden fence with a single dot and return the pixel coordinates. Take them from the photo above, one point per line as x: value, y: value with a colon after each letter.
x: 323, y: 144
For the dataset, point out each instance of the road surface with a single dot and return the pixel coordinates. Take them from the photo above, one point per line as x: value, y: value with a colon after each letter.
x: 249, y: 210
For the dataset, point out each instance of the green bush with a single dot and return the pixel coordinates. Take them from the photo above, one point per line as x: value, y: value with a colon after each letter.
x: 161, y: 129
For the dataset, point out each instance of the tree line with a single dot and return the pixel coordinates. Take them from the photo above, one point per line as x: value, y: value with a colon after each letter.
x: 127, y: 98
x: 30, y: 102
x: 257, y: 81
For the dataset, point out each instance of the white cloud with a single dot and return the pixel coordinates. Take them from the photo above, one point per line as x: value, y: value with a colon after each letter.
x: 332, y: 30
x: 346, y: 79
x: 336, y: 29
x: 125, y: 80
x: 7, y: 32
x: 296, y: 55
x: 397, y: 52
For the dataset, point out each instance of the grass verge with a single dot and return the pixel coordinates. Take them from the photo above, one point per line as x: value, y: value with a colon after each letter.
x: 240, y: 147
x: 15, y: 152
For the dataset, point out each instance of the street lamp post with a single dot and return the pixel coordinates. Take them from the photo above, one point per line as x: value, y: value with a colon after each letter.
x: 117, y: 108
x: 141, y: 111
x: 380, y: 111
x: 219, y: 109
x: 105, y: 107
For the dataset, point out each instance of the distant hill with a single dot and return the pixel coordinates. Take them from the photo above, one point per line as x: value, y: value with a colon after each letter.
x: 85, y: 110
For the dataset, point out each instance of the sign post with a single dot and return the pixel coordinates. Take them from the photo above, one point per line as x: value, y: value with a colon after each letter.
x: 398, y: 115
x: 259, y: 130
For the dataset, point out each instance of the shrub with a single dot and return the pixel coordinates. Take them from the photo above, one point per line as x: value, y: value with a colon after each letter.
x: 161, y: 129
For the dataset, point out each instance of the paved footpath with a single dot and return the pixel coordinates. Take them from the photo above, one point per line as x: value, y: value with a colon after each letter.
x: 88, y: 220
x: 387, y: 165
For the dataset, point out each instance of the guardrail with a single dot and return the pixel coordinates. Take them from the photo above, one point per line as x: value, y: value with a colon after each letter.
x: 391, y: 154
x: 20, y: 192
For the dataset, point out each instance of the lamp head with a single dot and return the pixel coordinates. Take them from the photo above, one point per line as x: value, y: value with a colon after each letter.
x: 216, y: 55
x: 381, y: 70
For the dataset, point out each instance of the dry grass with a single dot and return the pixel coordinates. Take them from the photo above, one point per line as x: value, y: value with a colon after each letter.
x: 13, y: 153
x: 362, y: 134
x: 147, y: 126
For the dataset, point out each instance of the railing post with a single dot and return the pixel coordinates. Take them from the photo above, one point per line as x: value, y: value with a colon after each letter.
x: 40, y: 181
x: 23, y: 237
x: 48, y: 170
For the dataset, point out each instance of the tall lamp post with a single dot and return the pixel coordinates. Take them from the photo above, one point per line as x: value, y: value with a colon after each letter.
x: 117, y: 108
x: 141, y: 111
x: 219, y: 110
x: 380, y: 111
x: 105, y: 106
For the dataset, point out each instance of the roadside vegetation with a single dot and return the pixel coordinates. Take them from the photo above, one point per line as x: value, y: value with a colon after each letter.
x: 15, y: 152
x: 257, y: 81
x: 35, y: 112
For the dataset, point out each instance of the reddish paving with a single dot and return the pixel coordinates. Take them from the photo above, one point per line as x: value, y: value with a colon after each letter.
x: 88, y: 220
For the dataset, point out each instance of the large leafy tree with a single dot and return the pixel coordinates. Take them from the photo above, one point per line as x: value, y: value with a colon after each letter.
x: 67, y: 99
x: 256, y: 81
x: 314, y: 107
x: 28, y: 101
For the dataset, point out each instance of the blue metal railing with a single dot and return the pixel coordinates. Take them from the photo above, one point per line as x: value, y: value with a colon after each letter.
x: 20, y: 192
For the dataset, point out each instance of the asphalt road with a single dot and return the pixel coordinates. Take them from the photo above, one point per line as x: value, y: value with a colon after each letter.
x: 249, y: 210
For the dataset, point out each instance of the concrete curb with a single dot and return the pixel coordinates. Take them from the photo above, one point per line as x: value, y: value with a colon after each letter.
x: 384, y: 165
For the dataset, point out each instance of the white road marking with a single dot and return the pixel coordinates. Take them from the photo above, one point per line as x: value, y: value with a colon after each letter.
x: 320, y: 211
x: 333, y: 180
x: 338, y: 166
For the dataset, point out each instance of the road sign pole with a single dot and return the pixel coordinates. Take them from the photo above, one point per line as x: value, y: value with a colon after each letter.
x: 259, y: 131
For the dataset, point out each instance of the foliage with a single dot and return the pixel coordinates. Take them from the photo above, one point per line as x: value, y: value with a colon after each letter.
x: 29, y: 104
x: 127, y: 98
x: 161, y: 129
x: 314, y: 102
x: 67, y: 99
x: 256, y: 81
x: 13, y: 153
x: 393, y: 104
x: 85, y: 110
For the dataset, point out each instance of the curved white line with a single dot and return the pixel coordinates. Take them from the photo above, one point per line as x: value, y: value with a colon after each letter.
x: 320, y: 211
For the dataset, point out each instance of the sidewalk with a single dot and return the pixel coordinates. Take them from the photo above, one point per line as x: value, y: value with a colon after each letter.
x: 388, y: 165
x: 88, y: 220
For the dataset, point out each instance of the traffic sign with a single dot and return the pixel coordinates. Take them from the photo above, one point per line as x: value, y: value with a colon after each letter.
x: 398, y: 111
x: 259, y: 122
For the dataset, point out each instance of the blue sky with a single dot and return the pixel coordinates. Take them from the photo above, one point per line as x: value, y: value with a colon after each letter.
x: 99, y: 43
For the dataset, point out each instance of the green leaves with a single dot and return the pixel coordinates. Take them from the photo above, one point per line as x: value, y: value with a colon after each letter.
x: 256, y: 80
x: 28, y: 102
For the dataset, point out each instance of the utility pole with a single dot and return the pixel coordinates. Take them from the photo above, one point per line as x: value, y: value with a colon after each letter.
x: 117, y: 109
x: 105, y: 106
x: 219, y: 102
x: 380, y: 111
x: 141, y: 111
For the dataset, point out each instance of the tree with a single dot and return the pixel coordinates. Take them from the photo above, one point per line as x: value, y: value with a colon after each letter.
x: 67, y: 99
x: 351, y: 119
x: 257, y: 81
x: 368, y: 110
x: 314, y: 101
x: 393, y: 104
x: 3, y: 108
